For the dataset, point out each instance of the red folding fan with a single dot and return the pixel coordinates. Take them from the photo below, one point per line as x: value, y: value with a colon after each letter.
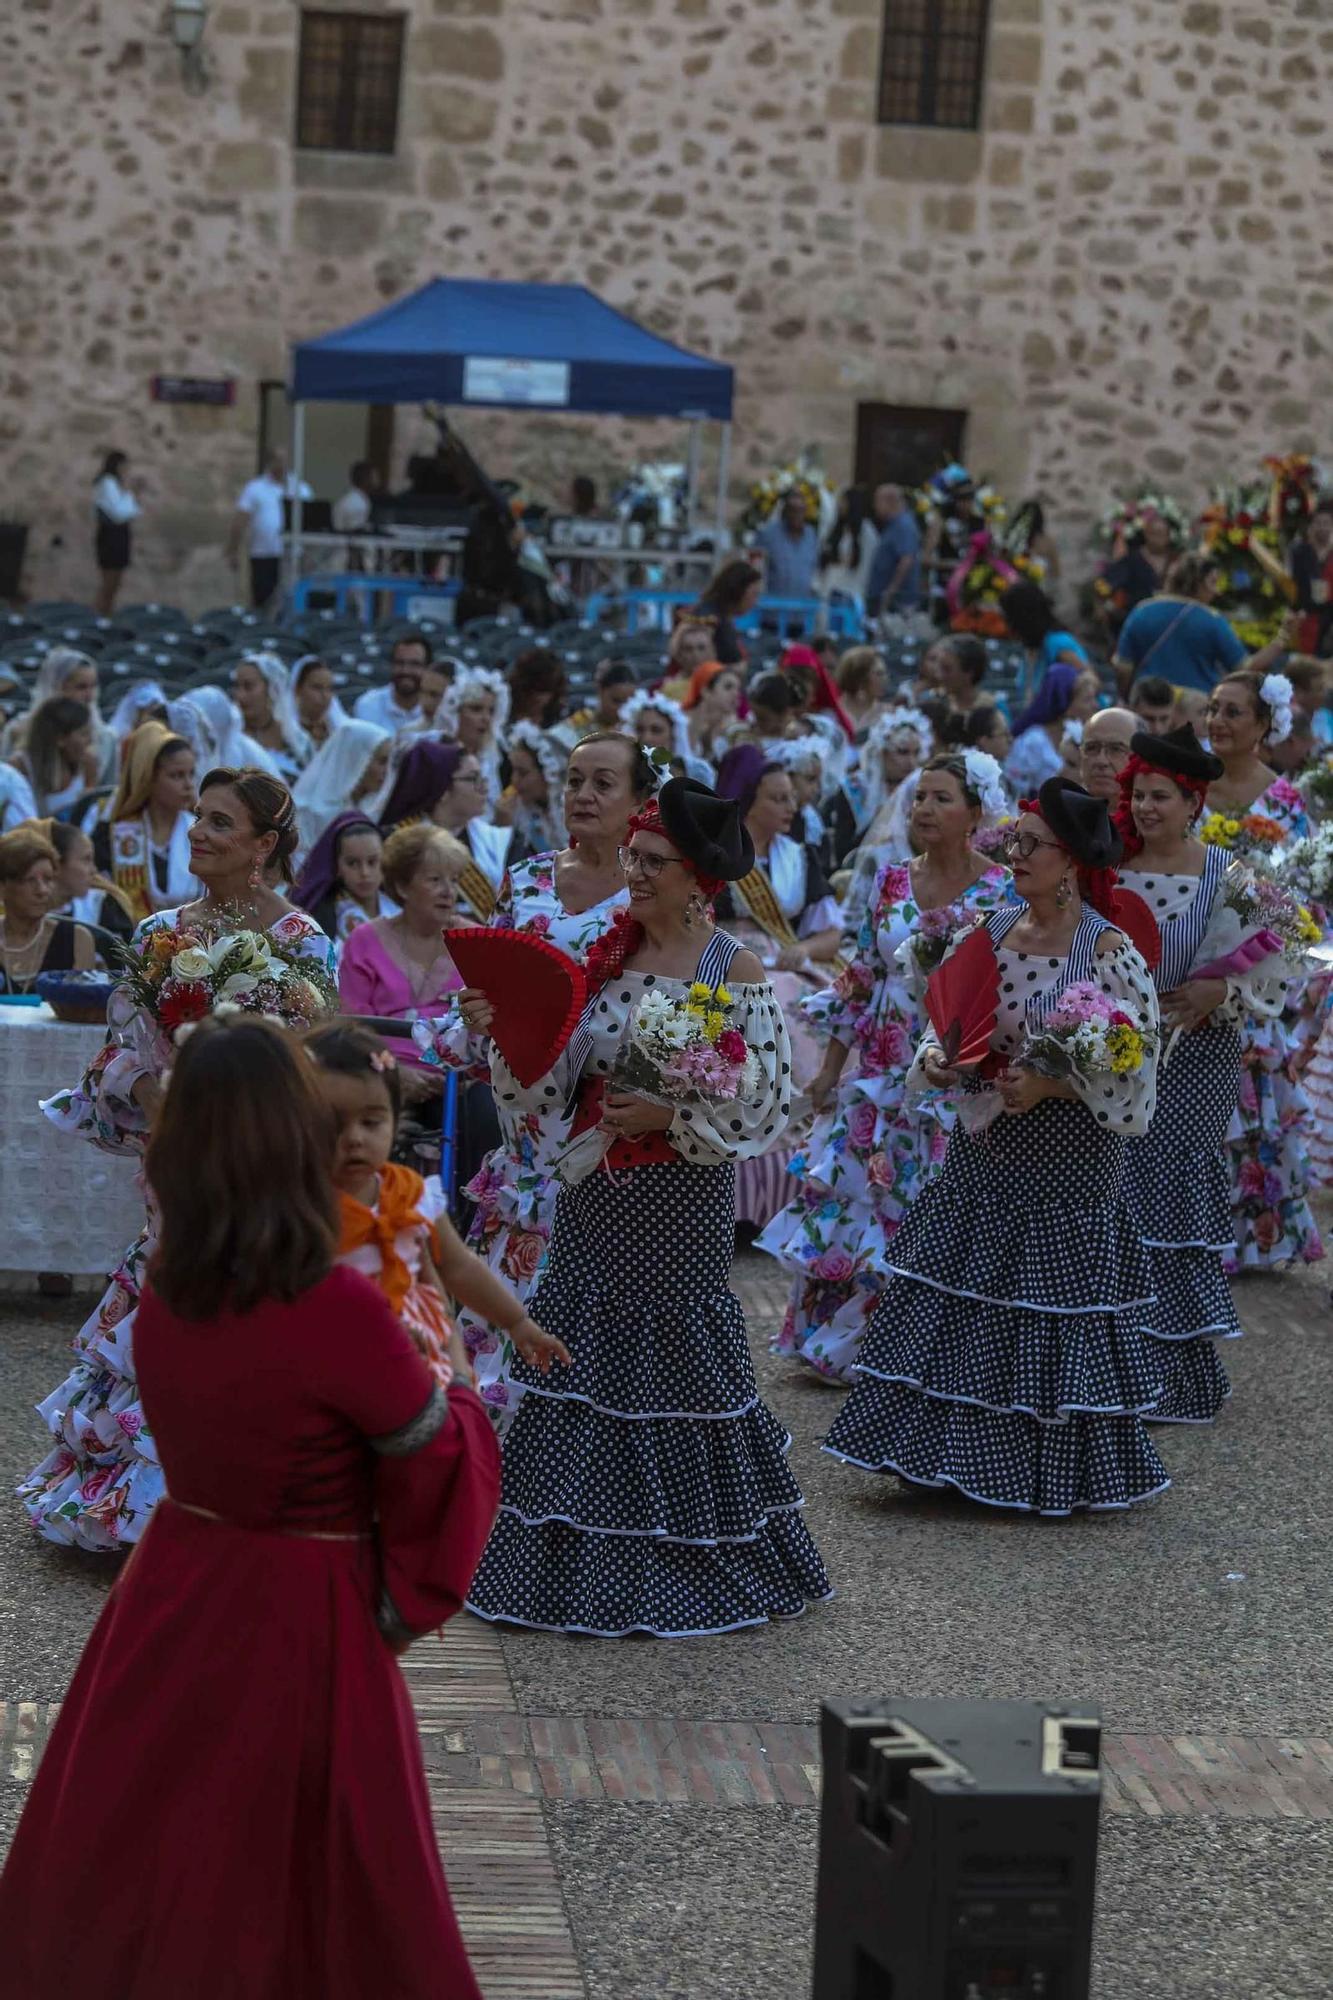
x: 963, y: 998
x: 537, y: 992
x: 1131, y: 914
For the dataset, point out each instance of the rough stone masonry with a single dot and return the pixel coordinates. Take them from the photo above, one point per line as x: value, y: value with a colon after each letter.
x: 1124, y: 273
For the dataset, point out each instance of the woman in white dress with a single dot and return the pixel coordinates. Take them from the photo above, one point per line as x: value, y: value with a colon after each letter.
x: 263, y: 693
x: 352, y: 769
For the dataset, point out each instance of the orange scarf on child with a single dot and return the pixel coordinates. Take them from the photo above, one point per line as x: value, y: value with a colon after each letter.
x: 400, y: 1191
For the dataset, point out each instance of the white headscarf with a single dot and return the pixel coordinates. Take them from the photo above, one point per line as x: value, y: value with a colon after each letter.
x: 542, y: 827
x: 672, y: 710
x: 325, y: 787
x: 219, y: 738
x: 871, y: 770
x: 474, y: 680
x: 283, y: 703
x: 58, y: 664
x: 337, y: 714
x: 133, y: 707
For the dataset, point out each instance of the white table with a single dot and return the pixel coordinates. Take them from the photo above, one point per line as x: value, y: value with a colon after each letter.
x: 64, y: 1205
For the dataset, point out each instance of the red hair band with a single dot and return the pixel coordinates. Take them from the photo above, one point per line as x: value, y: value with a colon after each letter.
x: 1123, y: 816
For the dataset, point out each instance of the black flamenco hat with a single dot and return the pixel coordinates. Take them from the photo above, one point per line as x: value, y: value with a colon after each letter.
x: 707, y: 829
x: 1080, y: 822
x: 1179, y: 752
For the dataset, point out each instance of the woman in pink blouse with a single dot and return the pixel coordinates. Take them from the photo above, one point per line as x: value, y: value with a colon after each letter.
x: 398, y: 965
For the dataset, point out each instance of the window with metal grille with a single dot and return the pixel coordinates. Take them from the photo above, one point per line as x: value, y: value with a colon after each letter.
x: 347, y: 82
x: 932, y: 62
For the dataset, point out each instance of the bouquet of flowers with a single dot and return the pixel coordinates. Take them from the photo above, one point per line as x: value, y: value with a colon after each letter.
x: 1124, y: 518
x: 1248, y: 833
x: 1087, y: 1034
x: 766, y: 495
x: 183, y: 972
x: 934, y: 931
x: 1236, y: 533
x: 993, y: 841
x: 1308, y: 866
x: 1260, y: 909
x: 679, y: 1051
x: 1315, y: 787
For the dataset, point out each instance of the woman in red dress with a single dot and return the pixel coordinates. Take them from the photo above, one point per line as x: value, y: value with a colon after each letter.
x: 238, y: 1717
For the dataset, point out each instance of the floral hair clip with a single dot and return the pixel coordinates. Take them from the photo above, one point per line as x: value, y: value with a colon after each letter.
x: 985, y: 781
x: 383, y: 1060
x: 1275, y: 694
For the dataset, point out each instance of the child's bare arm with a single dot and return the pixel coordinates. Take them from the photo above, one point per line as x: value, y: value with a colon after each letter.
x: 470, y: 1280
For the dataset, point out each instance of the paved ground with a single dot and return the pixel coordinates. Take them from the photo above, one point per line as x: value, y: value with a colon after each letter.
x: 638, y: 1819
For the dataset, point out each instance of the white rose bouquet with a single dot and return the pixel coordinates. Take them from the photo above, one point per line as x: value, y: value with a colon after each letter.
x: 180, y: 973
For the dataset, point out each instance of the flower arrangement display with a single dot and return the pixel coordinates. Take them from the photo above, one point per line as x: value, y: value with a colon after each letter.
x: 1292, y: 493
x: 1236, y: 532
x: 974, y: 588
x: 678, y: 1051
x: 1086, y: 1034
x: 1124, y: 519
x: 801, y: 476
x: 183, y: 972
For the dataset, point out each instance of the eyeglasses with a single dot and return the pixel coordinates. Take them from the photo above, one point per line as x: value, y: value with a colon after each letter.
x: 649, y: 866
x: 1025, y: 845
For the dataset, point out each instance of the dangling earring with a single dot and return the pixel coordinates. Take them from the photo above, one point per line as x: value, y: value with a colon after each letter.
x: 255, y: 876
x: 689, y: 915
x: 1063, y: 893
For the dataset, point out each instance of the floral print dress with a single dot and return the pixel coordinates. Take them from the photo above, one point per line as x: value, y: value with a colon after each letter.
x: 515, y: 1190
x: 98, y: 1485
x: 1266, y: 1142
x: 871, y: 1155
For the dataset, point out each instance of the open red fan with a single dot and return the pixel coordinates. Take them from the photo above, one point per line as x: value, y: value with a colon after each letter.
x: 537, y: 992
x: 1131, y: 914
x: 962, y: 1000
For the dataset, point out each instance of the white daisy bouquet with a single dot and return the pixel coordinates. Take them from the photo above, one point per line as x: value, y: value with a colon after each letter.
x: 1088, y: 1034
x: 680, y: 1050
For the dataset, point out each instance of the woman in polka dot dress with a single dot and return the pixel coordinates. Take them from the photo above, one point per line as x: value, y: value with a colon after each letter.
x: 1005, y: 1358
x: 1249, y: 809
x: 1176, y: 1177
x: 646, y: 1488
x: 571, y: 898
x: 870, y: 1159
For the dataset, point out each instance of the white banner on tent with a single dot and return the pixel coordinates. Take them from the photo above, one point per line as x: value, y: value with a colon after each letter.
x: 487, y: 379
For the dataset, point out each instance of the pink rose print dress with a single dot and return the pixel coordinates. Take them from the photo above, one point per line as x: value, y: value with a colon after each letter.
x: 1267, y: 1140
x: 99, y: 1483
x: 515, y: 1190
x: 872, y: 1155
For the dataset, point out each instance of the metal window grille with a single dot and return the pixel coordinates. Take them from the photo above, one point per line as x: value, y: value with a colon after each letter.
x: 932, y: 62
x: 347, y: 82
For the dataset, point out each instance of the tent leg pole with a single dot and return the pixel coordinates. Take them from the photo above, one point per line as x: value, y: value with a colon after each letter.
x: 298, y: 473
x: 723, y: 484
x: 692, y: 469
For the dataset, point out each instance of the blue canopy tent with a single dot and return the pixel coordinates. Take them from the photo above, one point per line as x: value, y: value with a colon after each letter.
x: 489, y: 344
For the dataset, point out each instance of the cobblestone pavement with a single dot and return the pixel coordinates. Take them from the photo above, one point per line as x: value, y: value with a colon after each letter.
x: 637, y: 1818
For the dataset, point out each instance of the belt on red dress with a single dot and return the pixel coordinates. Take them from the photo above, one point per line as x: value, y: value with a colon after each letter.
x: 296, y: 1534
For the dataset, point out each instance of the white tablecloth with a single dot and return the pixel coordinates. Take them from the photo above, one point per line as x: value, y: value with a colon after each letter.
x: 64, y: 1206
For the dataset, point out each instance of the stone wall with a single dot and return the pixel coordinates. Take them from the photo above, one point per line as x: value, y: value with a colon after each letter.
x: 1125, y: 272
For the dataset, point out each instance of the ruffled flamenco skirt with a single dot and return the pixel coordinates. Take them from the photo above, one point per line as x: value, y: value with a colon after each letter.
x: 1177, y: 1191
x: 646, y: 1489
x: 1317, y: 1083
x: 856, y: 1182
x: 97, y: 1487
x: 1005, y: 1359
x: 511, y: 1231
x: 1268, y: 1166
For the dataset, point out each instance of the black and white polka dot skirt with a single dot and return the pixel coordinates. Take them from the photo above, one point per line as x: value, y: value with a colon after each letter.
x: 1179, y: 1194
x: 646, y: 1489
x: 1005, y: 1358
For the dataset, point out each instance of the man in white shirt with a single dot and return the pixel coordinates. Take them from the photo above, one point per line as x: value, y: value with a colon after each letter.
x: 397, y: 706
x: 257, y: 527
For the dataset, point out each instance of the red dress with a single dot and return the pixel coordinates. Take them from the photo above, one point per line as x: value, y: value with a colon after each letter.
x: 233, y: 1805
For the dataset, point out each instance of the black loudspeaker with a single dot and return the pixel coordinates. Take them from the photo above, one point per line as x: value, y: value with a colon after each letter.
x: 957, y: 1850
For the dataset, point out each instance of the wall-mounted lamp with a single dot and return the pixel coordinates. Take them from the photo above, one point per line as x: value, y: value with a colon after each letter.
x: 187, y: 19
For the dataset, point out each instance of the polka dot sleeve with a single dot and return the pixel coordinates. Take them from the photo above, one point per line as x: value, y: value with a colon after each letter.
x: 1125, y: 1104
x: 714, y: 1134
